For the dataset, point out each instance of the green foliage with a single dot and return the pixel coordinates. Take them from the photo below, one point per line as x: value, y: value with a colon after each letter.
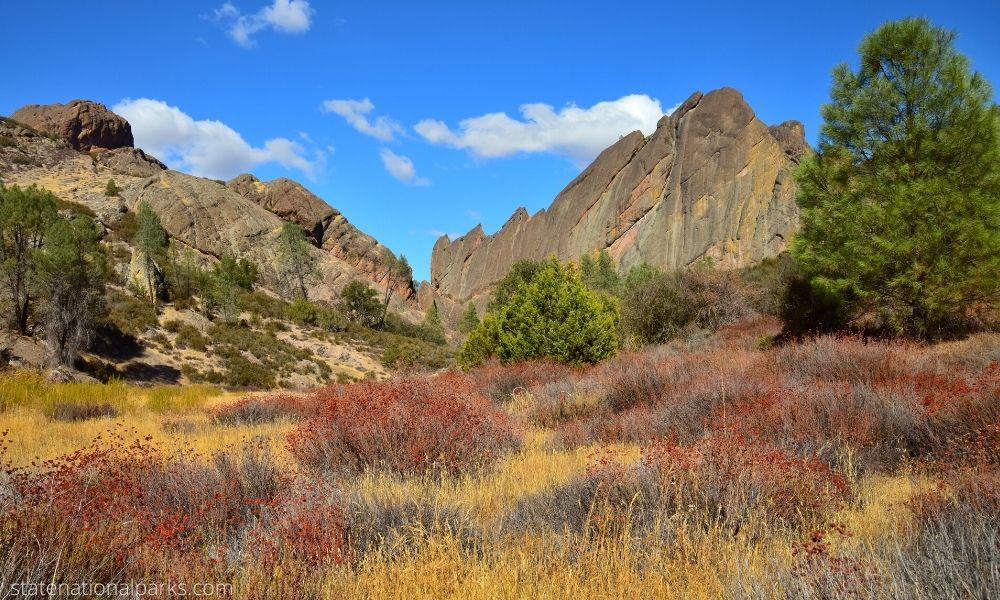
x: 295, y: 261
x: 304, y: 312
x: 185, y: 275
x: 361, y: 304
x: 71, y: 271
x: 600, y: 274
x: 240, y: 273
x: 151, y: 241
x: 521, y: 273
x: 125, y: 228
x: 128, y: 314
x: 25, y: 217
x: 433, y: 329
x: 397, y: 271
x: 658, y: 307
x: 112, y: 188
x: 901, y: 205
x: 552, y: 316
x: 470, y: 319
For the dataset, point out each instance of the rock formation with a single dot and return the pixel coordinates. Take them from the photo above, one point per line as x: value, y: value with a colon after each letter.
x: 242, y: 218
x: 84, y: 124
x: 712, y: 181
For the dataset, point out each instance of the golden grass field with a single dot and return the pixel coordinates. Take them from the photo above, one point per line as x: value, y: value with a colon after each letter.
x: 434, y: 562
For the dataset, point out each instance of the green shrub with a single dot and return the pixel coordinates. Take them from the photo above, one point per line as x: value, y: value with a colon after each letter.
x: 129, y: 314
x: 552, y: 315
x: 240, y: 372
x: 658, y: 307
x: 189, y: 336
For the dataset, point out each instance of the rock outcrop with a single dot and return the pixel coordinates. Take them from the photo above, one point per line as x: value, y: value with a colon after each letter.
x: 84, y: 124
x: 242, y: 218
x: 290, y: 201
x: 329, y: 230
x: 712, y: 181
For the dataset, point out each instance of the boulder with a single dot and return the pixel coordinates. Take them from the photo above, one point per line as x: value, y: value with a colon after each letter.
x: 84, y: 124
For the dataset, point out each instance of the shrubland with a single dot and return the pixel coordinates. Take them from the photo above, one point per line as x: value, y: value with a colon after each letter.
x: 834, y: 467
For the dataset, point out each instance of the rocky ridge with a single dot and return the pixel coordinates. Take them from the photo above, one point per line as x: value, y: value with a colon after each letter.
x: 713, y: 181
x: 243, y: 217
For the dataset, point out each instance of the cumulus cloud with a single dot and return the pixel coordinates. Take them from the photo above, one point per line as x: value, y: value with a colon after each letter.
x: 207, y: 148
x: 401, y: 167
x: 578, y: 133
x: 284, y: 16
x: 356, y: 112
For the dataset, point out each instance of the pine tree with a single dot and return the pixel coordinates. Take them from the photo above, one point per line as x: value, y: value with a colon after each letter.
x: 470, y: 319
x: 25, y: 217
x: 901, y: 204
x: 71, y: 271
x: 151, y: 240
x: 296, y: 264
x: 552, y: 316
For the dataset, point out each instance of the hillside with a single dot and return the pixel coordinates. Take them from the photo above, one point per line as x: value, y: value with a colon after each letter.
x: 713, y: 181
x: 75, y: 150
x: 242, y: 217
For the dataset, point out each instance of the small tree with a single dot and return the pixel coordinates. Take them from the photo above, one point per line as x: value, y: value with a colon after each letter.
x: 553, y: 316
x: 397, y: 271
x: 361, y: 304
x: 296, y: 263
x: 112, y: 188
x: 151, y: 241
x: 432, y: 327
x: 71, y: 270
x: 600, y: 274
x: 901, y: 204
x: 240, y: 273
x: 470, y: 319
x: 25, y: 216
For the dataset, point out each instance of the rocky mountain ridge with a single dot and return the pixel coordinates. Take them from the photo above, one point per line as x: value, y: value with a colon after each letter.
x: 713, y: 181
x: 74, y: 149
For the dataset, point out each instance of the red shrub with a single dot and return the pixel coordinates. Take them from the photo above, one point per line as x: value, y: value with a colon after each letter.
x: 732, y: 476
x: 255, y: 410
x: 500, y: 382
x: 410, y: 426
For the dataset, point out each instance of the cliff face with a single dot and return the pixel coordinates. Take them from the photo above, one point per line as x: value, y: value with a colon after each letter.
x: 711, y: 181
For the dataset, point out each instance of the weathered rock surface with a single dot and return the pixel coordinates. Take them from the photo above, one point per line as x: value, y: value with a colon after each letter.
x: 84, y: 124
x: 242, y: 218
x: 712, y: 181
x: 290, y: 201
x: 327, y: 227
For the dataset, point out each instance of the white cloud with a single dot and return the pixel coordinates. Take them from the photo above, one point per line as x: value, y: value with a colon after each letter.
x: 356, y: 112
x: 475, y: 215
x: 401, y: 167
x: 206, y: 148
x: 284, y: 16
x: 578, y: 133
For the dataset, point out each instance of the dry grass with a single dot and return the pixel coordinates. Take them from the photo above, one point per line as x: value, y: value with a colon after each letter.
x: 921, y: 523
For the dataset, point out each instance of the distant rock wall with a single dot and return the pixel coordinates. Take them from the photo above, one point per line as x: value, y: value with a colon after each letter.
x: 712, y: 181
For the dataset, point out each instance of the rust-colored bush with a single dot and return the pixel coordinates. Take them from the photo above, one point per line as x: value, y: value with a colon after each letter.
x: 409, y: 426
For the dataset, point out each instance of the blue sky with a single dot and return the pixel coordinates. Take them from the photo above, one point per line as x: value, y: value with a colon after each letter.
x: 365, y: 102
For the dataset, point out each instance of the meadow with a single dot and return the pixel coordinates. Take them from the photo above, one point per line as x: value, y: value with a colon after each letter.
x: 724, y: 466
